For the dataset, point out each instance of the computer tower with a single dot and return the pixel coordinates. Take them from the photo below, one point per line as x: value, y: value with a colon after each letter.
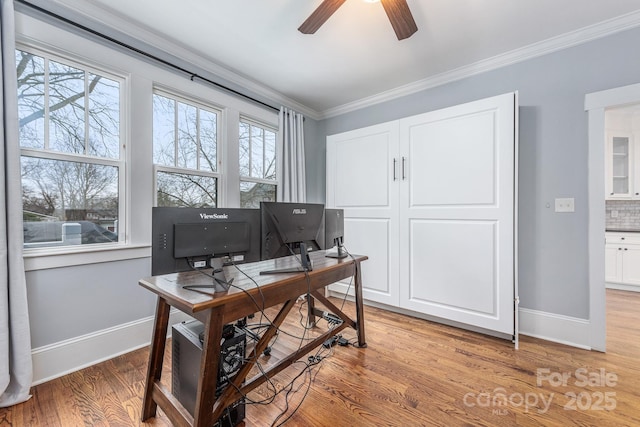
x: 187, y: 342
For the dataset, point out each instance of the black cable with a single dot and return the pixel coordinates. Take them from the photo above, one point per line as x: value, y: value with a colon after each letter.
x: 143, y: 53
x: 306, y: 370
x: 196, y: 288
x: 313, y: 360
x: 261, y: 310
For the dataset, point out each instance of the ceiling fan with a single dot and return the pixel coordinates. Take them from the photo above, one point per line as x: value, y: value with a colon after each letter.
x: 397, y: 11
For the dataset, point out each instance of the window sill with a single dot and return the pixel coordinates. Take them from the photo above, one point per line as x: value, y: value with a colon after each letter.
x: 47, y: 258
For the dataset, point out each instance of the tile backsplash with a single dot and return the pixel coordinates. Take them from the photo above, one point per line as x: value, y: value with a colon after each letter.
x: 623, y: 214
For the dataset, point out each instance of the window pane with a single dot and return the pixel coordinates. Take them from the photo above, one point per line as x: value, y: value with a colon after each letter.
x: 186, y: 190
x: 257, y: 152
x: 257, y: 145
x: 195, y: 129
x: 208, y: 140
x: 164, y: 121
x: 30, y: 70
x: 187, y: 136
x: 251, y: 194
x: 269, y: 154
x: 66, y: 108
x: 55, y: 193
x: 104, y: 117
x: 245, y: 158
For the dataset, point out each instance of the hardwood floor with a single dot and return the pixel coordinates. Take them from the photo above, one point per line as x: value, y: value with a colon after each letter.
x: 413, y: 373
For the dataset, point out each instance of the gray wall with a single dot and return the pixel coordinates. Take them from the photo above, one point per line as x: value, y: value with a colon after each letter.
x: 69, y: 302
x: 553, y: 155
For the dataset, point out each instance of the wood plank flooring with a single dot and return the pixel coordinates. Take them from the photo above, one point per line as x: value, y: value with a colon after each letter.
x: 413, y: 373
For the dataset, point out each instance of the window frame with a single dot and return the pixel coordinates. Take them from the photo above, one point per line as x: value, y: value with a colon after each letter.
x: 121, y: 163
x: 276, y: 181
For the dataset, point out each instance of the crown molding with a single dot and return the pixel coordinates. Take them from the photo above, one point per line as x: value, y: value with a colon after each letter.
x: 89, y: 10
x: 554, y: 44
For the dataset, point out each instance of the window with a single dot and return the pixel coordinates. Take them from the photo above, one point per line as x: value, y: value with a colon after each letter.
x: 185, y: 152
x: 71, y: 152
x: 257, y: 164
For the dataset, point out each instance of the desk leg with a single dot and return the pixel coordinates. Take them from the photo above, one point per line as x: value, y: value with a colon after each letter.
x: 206, y: 394
x: 362, y: 342
x: 156, y: 355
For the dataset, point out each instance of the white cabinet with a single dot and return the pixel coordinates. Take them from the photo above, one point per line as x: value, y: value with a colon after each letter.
x: 362, y: 179
x: 622, y: 258
x: 612, y: 263
x: 622, y: 167
x: 431, y: 200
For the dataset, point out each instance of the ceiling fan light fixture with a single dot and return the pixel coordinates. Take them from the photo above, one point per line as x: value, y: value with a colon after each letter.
x: 397, y: 11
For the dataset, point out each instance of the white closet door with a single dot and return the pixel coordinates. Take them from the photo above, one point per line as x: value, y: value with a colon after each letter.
x: 457, y: 213
x: 362, y: 179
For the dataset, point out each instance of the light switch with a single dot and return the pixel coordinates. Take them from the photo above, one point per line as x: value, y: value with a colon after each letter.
x: 565, y: 205
x: 614, y: 214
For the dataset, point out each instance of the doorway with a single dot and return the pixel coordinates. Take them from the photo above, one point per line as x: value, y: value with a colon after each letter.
x: 622, y: 198
x: 596, y: 105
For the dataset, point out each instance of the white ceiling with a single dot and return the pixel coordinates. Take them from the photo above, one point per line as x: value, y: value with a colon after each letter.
x: 355, y: 56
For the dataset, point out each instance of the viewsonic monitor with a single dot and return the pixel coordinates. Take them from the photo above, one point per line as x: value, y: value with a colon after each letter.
x: 184, y: 238
x: 290, y: 228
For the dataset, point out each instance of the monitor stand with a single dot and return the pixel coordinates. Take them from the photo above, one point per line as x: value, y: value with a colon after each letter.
x: 340, y: 254
x: 220, y: 282
x: 304, y: 259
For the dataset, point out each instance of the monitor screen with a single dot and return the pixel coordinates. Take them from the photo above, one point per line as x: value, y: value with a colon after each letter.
x: 285, y: 225
x: 183, y: 237
x: 333, y: 227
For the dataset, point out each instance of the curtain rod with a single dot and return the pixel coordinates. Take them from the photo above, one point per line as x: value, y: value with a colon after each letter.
x: 143, y: 53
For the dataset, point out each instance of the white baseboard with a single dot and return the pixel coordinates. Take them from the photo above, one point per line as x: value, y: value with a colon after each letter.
x: 554, y: 327
x: 434, y: 319
x: 622, y: 287
x: 61, y: 358
x: 538, y: 324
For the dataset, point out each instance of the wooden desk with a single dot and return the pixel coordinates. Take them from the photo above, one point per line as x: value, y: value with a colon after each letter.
x: 217, y: 310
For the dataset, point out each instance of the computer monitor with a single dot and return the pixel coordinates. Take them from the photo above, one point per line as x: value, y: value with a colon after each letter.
x: 288, y: 228
x: 187, y: 238
x: 334, y: 232
x: 197, y: 239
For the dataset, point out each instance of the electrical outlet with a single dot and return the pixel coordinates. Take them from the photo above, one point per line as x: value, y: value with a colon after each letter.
x: 199, y: 264
x: 565, y: 205
x: 614, y: 214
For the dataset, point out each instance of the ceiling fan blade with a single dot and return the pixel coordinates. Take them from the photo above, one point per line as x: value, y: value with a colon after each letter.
x: 400, y: 17
x: 320, y: 15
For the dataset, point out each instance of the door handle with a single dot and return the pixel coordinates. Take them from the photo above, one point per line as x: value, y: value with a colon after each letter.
x: 403, y: 162
x: 395, y: 162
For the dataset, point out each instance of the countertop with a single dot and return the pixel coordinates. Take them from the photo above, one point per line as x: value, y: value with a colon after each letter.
x: 628, y: 230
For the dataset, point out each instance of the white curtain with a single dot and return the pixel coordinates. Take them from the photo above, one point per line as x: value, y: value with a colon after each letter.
x: 291, y: 140
x: 16, y: 370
